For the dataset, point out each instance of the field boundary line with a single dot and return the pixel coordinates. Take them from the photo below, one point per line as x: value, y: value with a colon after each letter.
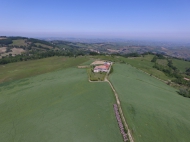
x: 148, y: 73
x: 121, y: 113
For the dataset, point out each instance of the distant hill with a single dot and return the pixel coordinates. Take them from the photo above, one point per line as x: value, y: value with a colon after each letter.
x: 30, y: 48
x: 18, y: 45
x: 105, y: 46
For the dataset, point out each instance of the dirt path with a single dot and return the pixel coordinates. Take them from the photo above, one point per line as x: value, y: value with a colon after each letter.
x: 119, y: 106
x: 121, y: 113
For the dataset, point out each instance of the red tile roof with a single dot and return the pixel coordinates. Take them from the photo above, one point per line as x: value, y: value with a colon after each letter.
x: 105, y: 67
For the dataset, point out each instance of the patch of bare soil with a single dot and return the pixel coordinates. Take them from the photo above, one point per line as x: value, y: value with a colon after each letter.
x: 112, y: 50
x: 3, y: 49
x: 98, y: 63
x: 2, y: 38
x: 17, y: 51
x: 82, y: 67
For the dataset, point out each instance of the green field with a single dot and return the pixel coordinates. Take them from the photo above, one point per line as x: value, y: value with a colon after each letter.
x: 145, y: 64
x: 162, y: 62
x: 43, y: 45
x: 87, y: 63
x: 60, y: 106
x: 100, y: 76
x: 19, y: 42
x: 14, y: 71
x: 154, y: 111
x: 181, y: 64
x: 142, y: 63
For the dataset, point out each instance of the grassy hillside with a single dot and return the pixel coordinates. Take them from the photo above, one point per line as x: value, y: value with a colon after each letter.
x: 181, y: 64
x: 162, y: 62
x: 56, y: 107
x: 14, y: 71
x: 43, y: 45
x: 19, y: 42
x: 142, y: 63
x: 145, y: 64
x: 154, y: 111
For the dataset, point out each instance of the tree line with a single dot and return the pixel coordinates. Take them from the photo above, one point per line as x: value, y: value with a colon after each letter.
x: 37, y: 55
x: 172, y: 71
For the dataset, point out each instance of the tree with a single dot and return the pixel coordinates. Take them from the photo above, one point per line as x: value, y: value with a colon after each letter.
x: 154, y: 59
x: 93, y: 53
x: 184, y: 92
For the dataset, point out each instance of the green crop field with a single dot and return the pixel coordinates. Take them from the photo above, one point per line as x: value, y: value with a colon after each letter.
x: 19, y: 42
x: 46, y: 46
x: 145, y: 64
x: 181, y: 65
x: 162, y: 62
x: 154, y: 111
x: 14, y: 71
x: 87, y: 63
x: 60, y: 106
x: 142, y: 63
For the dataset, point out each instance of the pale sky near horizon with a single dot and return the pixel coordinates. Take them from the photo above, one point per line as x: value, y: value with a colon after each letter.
x: 141, y: 19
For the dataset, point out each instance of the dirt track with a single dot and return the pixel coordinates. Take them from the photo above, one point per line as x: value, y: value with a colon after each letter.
x: 98, y: 62
x: 119, y: 106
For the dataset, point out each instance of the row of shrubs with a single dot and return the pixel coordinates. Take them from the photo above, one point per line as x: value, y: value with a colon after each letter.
x: 184, y: 92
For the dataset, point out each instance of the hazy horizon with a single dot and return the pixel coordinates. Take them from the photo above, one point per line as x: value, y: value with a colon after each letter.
x: 148, y: 20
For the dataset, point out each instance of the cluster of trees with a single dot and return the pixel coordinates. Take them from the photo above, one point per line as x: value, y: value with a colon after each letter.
x: 116, y: 54
x: 172, y: 71
x: 5, y: 41
x: 187, y: 72
x: 9, y: 40
x: 17, y: 37
x: 93, y: 53
x: 182, y: 81
x: 37, y: 55
x: 132, y: 55
x: 170, y: 64
x: 184, y: 92
x: 179, y: 77
x: 169, y: 70
x: 157, y: 56
x: 32, y: 40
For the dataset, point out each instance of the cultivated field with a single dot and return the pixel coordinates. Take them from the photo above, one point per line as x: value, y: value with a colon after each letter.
x: 162, y: 62
x: 98, y: 63
x: 145, y: 64
x: 56, y: 107
x: 3, y: 49
x: 15, y: 51
x: 87, y: 63
x: 142, y: 63
x: 154, y: 111
x: 46, y: 46
x: 181, y: 65
x: 19, y: 42
x: 15, y: 71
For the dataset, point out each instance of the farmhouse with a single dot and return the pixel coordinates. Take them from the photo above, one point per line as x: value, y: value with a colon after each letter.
x: 102, y: 68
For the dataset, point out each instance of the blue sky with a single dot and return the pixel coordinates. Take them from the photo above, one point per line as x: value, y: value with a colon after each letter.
x: 142, y: 19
